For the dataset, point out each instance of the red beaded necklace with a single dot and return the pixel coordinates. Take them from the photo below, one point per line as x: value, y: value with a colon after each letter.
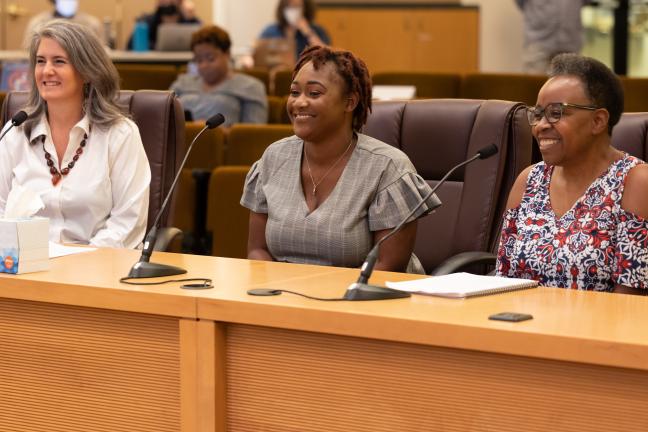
x: 56, y: 175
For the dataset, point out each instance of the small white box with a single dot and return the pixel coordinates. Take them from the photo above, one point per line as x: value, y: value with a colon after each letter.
x: 24, y: 245
x: 393, y: 92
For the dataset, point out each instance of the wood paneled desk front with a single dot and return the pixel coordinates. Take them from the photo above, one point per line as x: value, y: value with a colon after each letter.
x: 79, y: 351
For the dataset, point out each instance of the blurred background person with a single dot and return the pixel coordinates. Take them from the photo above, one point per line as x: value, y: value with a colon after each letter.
x: 327, y: 194
x: 550, y: 27
x: 216, y: 88
x: 77, y: 151
x: 166, y: 12
x: 295, y: 23
x: 66, y: 9
x: 579, y: 218
x: 188, y: 11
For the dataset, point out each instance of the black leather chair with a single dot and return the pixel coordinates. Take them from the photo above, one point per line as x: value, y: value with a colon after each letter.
x: 631, y: 134
x: 160, y: 119
x: 437, y: 134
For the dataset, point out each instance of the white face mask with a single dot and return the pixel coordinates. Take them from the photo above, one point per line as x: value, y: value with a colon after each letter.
x: 292, y: 15
x: 67, y: 8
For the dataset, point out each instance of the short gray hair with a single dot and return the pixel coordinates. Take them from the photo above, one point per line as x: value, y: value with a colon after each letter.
x: 88, y: 56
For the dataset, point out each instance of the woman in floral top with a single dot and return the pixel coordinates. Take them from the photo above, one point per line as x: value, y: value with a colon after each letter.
x: 579, y: 218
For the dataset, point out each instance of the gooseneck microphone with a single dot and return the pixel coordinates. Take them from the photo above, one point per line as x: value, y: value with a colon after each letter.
x: 143, y: 268
x: 18, y: 119
x: 361, y: 290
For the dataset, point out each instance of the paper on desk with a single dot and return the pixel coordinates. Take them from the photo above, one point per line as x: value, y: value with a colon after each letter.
x: 461, y: 285
x: 58, y: 250
x: 22, y: 202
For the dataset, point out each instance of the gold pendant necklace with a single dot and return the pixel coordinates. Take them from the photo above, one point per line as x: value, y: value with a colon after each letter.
x: 310, y: 173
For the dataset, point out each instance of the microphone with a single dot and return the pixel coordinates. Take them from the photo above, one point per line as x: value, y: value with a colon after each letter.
x: 18, y: 119
x: 361, y: 290
x: 143, y: 268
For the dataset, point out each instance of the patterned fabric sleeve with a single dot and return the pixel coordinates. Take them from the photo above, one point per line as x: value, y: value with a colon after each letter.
x: 395, y: 201
x: 631, y: 253
x: 508, y: 238
x: 253, y: 196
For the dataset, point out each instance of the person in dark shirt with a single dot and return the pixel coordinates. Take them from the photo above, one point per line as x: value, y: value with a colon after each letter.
x: 168, y: 11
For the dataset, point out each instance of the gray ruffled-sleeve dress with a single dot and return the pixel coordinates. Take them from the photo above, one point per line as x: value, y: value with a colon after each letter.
x: 378, y: 188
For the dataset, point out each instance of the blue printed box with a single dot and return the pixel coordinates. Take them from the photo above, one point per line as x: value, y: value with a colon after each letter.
x: 24, y: 245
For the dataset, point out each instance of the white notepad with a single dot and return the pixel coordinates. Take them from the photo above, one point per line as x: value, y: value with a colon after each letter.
x: 462, y: 285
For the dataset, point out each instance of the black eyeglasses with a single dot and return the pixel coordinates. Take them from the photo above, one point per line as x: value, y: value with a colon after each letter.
x: 552, y: 112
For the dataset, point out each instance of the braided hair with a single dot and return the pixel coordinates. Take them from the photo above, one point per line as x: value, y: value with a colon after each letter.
x: 351, y: 69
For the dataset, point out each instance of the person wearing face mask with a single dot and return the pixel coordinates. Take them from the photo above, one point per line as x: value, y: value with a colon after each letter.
x: 65, y: 9
x: 217, y: 88
x: 295, y: 21
x: 579, y: 218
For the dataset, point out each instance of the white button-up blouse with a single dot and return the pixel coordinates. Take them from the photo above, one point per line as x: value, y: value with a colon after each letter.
x: 103, y: 201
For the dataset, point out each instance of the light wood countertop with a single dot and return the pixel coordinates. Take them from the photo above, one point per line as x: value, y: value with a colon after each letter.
x: 586, y: 327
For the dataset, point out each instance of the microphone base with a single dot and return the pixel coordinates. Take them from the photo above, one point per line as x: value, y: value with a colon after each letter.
x: 150, y: 270
x: 360, y: 292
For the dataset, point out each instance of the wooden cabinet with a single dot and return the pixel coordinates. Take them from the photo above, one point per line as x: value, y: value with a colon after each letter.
x: 414, y: 38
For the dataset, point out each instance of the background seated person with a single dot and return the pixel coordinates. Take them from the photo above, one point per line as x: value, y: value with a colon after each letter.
x: 295, y: 22
x: 77, y: 151
x: 578, y: 218
x: 217, y: 88
x: 167, y: 11
x: 64, y: 9
x: 328, y: 194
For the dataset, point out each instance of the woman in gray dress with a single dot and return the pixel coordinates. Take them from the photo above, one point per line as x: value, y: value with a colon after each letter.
x: 328, y: 193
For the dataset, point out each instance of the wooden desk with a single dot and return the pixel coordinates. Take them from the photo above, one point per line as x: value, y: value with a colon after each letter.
x: 82, y: 352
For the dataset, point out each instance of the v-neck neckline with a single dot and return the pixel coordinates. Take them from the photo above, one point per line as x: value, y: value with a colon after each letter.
x: 300, y: 186
x: 584, y: 195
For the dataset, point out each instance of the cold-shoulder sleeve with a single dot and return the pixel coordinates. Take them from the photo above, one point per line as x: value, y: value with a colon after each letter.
x: 397, y: 198
x: 253, y: 196
x: 631, y: 252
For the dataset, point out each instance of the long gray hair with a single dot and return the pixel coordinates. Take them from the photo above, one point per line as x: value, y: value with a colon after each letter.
x: 88, y: 56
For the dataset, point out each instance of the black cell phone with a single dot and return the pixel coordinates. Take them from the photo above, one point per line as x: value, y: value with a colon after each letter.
x: 510, y: 316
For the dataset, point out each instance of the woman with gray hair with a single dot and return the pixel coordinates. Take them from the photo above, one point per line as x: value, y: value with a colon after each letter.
x: 77, y: 151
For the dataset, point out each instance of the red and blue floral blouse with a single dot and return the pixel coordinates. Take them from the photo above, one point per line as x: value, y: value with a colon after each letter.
x: 593, y: 246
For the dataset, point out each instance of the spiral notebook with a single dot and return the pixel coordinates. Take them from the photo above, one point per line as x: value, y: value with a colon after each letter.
x: 462, y: 285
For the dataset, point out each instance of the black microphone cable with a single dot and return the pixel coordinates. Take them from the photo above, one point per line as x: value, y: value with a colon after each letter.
x: 206, y: 282
x: 273, y: 292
